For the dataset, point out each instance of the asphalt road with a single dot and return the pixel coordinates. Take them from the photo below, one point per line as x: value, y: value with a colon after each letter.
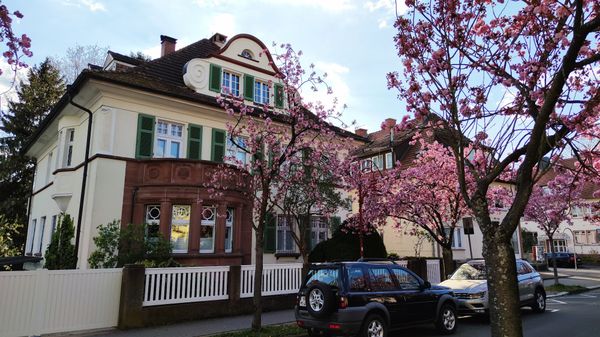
x: 573, y: 316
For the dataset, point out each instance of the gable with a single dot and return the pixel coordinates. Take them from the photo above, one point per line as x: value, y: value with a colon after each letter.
x: 247, y: 50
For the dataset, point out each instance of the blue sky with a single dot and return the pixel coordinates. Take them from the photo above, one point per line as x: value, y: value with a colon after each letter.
x: 350, y: 40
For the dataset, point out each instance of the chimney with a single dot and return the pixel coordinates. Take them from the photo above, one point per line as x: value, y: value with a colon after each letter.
x: 361, y: 132
x: 167, y: 45
x: 219, y: 39
x: 390, y: 122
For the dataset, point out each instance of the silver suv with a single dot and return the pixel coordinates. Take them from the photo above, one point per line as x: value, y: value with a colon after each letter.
x: 470, y: 287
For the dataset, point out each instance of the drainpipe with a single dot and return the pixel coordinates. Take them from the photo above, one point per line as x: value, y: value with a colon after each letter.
x: 85, y: 170
x: 29, y: 208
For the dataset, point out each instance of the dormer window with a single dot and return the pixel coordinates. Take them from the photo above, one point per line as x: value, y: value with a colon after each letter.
x: 247, y: 54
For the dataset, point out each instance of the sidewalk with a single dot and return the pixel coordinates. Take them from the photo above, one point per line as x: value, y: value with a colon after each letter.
x: 205, y: 327
x: 588, y: 278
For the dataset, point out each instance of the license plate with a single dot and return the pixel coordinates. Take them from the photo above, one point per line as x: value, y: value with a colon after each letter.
x: 302, y: 301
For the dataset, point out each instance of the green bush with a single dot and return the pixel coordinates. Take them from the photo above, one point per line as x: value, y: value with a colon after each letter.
x: 60, y: 254
x: 346, y: 247
x: 117, y: 246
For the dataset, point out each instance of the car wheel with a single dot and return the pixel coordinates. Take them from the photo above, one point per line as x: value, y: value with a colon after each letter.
x: 374, y: 326
x: 446, y: 321
x: 320, y: 300
x: 540, y: 301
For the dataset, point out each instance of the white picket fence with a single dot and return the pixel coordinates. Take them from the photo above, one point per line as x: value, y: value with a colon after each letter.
x: 433, y: 271
x: 277, y: 279
x: 187, y: 284
x: 42, y: 301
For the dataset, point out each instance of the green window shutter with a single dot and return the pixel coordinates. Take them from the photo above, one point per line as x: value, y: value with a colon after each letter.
x: 145, y: 137
x: 270, y: 232
x: 278, y: 95
x: 218, y: 145
x: 249, y: 87
x: 194, y: 142
x: 215, y: 78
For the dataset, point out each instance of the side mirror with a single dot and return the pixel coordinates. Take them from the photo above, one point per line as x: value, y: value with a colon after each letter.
x: 426, y: 285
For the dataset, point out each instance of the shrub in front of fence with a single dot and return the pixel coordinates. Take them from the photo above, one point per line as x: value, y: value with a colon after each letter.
x: 117, y: 246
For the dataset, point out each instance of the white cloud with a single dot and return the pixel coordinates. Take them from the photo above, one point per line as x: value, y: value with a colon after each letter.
x: 9, y: 82
x: 154, y: 51
x: 335, y: 6
x: 335, y: 79
x: 224, y: 23
x: 387, y: 9
x: 94, y: 6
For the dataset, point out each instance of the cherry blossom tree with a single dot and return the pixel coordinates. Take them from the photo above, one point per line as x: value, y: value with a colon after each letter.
x: 275, y: 139
x: 520, y: 78
x: 16, y: 46
x: 550, y: 204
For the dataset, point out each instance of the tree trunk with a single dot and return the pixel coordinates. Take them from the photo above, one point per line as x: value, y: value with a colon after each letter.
x: 257, y: 299
x: 447, y: 261
x: 505, y: 313
x: 553, y: 251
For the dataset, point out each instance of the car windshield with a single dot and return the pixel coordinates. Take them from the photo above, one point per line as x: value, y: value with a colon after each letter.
x: 329, y: 276
x: 470, y: 272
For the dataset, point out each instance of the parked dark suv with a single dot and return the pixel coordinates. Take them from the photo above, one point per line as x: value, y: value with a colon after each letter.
x: 369, y: 298
x: 562, y: 259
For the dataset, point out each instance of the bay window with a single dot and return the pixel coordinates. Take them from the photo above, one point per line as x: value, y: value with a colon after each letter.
x: 152, y: 223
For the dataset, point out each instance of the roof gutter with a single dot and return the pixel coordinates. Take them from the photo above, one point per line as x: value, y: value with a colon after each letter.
x: 85, y: 170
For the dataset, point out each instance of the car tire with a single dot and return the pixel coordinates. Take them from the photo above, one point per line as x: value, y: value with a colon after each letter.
x: 539, y: 301
x: 446, y: 320
x: 320, y: 300
x: 374, y: 326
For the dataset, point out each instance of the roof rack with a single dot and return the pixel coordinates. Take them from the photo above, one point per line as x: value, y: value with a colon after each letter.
x: 376, y: 259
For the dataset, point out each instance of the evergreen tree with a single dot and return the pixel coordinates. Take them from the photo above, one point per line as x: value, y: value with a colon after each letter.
x: 61, y: 251
x: 36, y: 96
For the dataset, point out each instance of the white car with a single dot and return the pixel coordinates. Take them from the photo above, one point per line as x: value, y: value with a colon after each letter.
x: 469, y: 284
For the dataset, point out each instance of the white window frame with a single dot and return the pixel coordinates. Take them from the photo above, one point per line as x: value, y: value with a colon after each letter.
x: 456, y: 238
x: 284, y: 226
x: 49, y: 167
x: 560, y: 245
x: 260, y: 96
x: 227, y: 84
x: 32, y: 231
x: 69, y: 143
x: 389, y: 161
x: 377, y: 163
x: 42, y: 229
x: 169, y: 138
x: 208, y: 221
x: 318, y: 225
x: 366, y: 165
x: 181, y: 222
x: 229, y: 221
x: 232, y: 151
x: 53, y: 225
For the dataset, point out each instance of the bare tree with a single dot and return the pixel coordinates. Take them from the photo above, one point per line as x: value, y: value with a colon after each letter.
x: 77, y: 59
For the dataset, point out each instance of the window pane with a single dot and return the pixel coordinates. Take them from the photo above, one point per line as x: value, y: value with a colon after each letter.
x: 180, y: 224
x: 229, y: 230
x: 152, y: 222
x: 356, y: 279
x: 381, y: 279
x: 174, y: 149
x: 161, y: 144
x: 406, y: 280
x: 207, y: 239
x: 176, y: 130
x: 161, y: 128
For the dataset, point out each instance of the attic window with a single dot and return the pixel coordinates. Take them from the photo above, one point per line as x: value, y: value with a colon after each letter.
x: 247, y: 54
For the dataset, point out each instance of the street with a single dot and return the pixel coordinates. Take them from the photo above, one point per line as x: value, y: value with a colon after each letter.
x: 573, y: 315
